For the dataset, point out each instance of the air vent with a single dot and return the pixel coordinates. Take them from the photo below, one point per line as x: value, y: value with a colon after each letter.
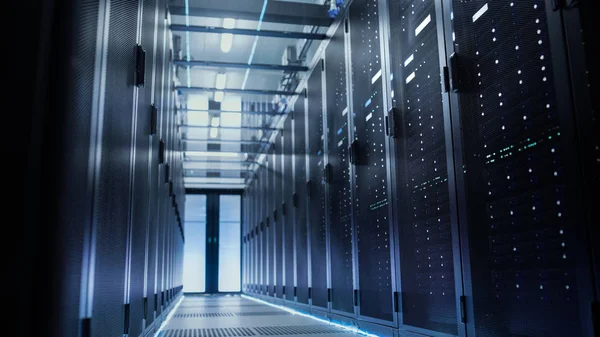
x: 297, y: 330
x: 263, y: 313
x: 220, y: 332
x: 204, y: 315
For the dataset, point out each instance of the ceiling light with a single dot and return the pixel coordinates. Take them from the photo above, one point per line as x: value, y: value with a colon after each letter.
x: 214, y: 132
x: 212, y: 154
x: 226, y: 42
x: 215, y: 122
x: 228, y: 23
x: 214, y: 180
x: 219, y: 96
x: 221, y: 79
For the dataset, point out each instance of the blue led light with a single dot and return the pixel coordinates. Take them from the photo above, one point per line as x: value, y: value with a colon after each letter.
x: 169, y: 316
x: 187, y: 41
x: 294, y: 312
x: 339, y: 131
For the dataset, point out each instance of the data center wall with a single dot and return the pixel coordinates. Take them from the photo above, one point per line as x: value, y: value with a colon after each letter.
x: 425, y: 115
x: 99, y: 171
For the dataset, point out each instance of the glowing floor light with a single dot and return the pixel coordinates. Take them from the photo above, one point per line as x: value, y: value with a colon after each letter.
x: 169, y: 316
x: 294, y: 312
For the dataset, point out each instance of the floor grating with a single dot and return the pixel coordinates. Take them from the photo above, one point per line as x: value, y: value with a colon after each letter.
x: 239, y: 317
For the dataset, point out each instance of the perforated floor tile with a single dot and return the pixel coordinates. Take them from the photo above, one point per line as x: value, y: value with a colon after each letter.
x: 230, y: 316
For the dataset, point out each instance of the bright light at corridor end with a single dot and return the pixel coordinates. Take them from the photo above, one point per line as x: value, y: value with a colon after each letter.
x: 294, y: 312
x: 227, y: 38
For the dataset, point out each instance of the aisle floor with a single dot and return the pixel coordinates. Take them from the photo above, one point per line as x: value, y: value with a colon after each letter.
x: 234, y: 316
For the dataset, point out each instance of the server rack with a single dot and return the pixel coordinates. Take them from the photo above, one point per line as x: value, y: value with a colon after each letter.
x: 341, y: 226
x: 522, y: 167
x: 318, y: 291
x: 429, y: 280
x: 369, y: 155
x: 278, y: 218
x: 287, y: 210
x: 299, y: 199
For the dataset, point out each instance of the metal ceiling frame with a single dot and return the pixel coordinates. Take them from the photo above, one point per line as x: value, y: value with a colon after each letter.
x: 296, y: 13
x: 256, y: 66
x: 248, y: 32
x: 238, y: 91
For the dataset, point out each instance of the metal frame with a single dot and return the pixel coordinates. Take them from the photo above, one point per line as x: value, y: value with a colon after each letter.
x: 248, y: 32
x: 265, y: 113
x: 256, y: 66
x: 288, y: 12
x: 224, y: 141
x: 238, y: 91
x: 257, y: 128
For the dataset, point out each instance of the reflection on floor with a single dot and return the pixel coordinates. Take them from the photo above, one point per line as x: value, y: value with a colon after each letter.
x: 230, y: 316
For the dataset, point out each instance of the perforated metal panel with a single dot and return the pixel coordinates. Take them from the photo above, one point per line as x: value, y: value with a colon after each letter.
x: 279, y: 224
x: 521, y: 209
x: 70, y: 178
x: 426, y: 256
x: 288, y: 211
x: 316, y: 199
x: 141, y: 186
x: 340, y: 197
x: 300, y: 211
x: 111, y: 204
x: 264, y: 233
x: 272, y: 223
x: 371, y: 199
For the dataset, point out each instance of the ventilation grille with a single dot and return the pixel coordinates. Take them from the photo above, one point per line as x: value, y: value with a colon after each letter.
x: 262, y: 331
x: 219, y: 306
x: 263, y: 313
x: 230, y: 314
x: 297, y: 330
x: 199, y: 315
x: 219, y: 332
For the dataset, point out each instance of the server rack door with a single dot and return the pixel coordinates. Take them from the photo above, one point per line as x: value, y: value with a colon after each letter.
x: 111, y: 199
x: 339, y: 196
x: 525, y: 256
x: 316, y: 185
x: 142, y: 184
x: 369, y: 153
x: 265, y: 235
x: 259, y: 224
x: 279, y: 225
x: 301, y: 232
x: 272, y: 222
x: 263, y: 243
x: 251, y: 198
x: 422, y: 198
x: 288, y: 209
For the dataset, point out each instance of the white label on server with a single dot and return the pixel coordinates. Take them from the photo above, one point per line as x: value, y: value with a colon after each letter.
x: 410, y: 77
x: 376, y: 77
x: 422, y: 25
x: 369, y: 116
x: 340, y: 143
x: 480, y: 12
x: 409, y: 59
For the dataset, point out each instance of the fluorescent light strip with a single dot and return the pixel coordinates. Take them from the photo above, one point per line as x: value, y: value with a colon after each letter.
x: 212, y: 154
x: 187, y: 41
x: 294, y: 312
x: 215, y: 180
x: 421, y: 26
x: 166, y: 321
x: 410, y: 77
x: 480, y: 12
x: 260, y: 21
